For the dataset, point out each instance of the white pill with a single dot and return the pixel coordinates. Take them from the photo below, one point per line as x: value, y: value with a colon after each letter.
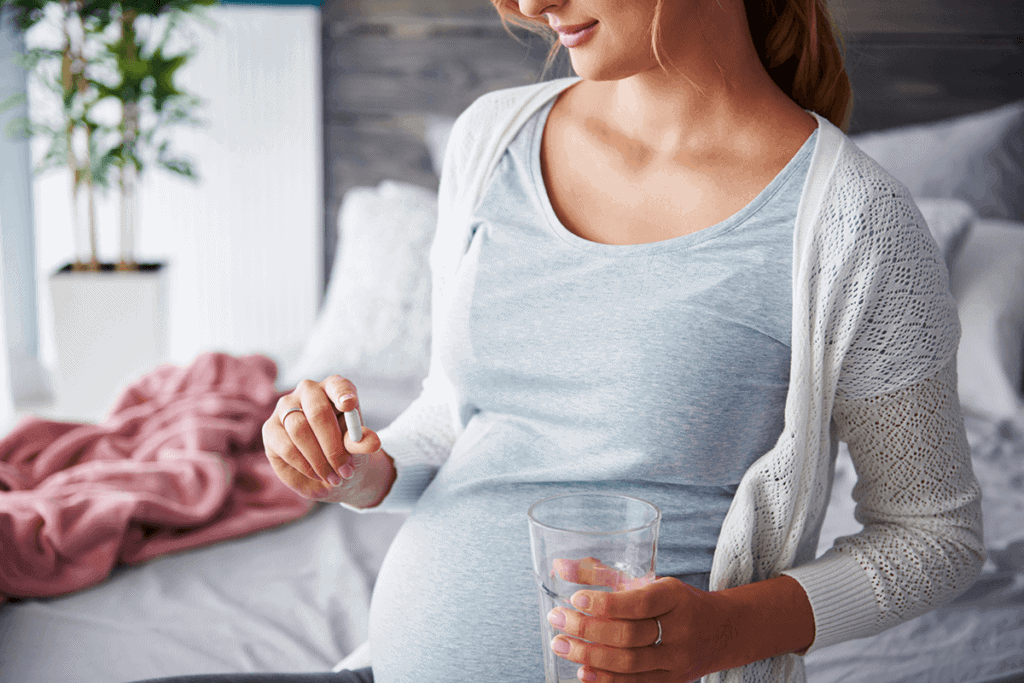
x: 354, y: 424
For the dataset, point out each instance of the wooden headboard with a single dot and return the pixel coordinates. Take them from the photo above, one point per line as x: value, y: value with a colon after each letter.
x: 388, y: 65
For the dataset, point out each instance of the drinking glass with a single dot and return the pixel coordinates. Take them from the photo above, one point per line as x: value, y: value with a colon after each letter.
x: 592, y: 541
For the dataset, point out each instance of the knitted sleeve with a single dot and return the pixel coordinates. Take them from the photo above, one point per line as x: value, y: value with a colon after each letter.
x: 916, y: 496
x: 920, y: 505
x: 890, y: 325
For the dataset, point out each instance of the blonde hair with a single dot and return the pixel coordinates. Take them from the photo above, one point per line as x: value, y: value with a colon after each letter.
x: 796, y: 41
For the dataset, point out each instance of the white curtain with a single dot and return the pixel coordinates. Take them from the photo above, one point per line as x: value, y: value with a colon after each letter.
x: 21, y: 376
x: 6, y: 395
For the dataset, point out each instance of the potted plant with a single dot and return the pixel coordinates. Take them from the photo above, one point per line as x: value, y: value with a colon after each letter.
x: 130, y: 68
x: 109, y: 318
x: 150, y: 104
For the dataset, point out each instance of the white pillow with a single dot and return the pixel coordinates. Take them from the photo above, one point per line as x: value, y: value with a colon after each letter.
x: 978, y: 158
x: 949, y: 221
x: 987, y: 280
x: 375, y: 319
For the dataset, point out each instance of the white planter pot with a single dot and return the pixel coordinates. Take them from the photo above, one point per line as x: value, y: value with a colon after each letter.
x: 110, y: 328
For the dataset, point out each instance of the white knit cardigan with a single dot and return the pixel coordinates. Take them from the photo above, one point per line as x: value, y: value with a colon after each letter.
x: 874, y: 341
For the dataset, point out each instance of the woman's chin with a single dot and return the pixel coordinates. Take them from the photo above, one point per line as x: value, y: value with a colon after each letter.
x: 598, y: 67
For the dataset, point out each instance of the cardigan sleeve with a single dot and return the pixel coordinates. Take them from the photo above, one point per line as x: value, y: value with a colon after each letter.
x: 920, y: 504
x: 421, y: 438
x: 893, y: 329
x: 419, y: 442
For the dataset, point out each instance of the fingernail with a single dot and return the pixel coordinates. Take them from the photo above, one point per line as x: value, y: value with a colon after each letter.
x: 561, y: 646
x: 581, y: 601
x: 585, y: 675
x: 557, y: 618
x: 333, y: 479
x: 346, y: 471
x: 342, y: 399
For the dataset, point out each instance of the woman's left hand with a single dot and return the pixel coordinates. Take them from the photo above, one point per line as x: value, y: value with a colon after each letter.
x: 622, y: 628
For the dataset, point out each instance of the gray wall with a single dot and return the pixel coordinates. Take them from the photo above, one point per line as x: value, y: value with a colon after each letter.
x: 388, y: 64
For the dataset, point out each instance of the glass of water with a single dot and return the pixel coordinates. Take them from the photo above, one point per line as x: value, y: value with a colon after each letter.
x: 592, y: 541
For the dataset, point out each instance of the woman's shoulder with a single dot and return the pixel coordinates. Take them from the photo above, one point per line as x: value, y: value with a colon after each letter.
x: 861, y: 179
x: 877, y: 265
x: 865, y: 204
x: 492, y: 113
x: 502, y: 99
x: 485, y: 127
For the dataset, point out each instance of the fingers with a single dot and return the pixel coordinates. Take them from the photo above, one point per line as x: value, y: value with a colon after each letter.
x: 608, y: 659
x: 592, y: 572
x: 659, y: 676
x: 305, y: 432
x: 280, y: 448
x: 370, y: 442
x: 613, y: 636
x: 612, y: 632
x: 315, y: 432
x: 645, y: 602
x: 341, y: 392
x: 614, y: 639
x: 303, y: 485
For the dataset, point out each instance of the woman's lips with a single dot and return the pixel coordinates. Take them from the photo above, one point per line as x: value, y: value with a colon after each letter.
x: 578, y: 37
x: 572, y: 29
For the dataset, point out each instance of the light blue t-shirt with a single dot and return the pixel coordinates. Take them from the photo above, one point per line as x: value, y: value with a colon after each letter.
x: 656, y: 370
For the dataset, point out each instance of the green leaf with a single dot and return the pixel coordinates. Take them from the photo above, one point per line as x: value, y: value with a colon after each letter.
x: 136, y: 161
x: 102, y: 169
x: 15, y: 100
x: 20, y: 128
x: 56, y: 157
x: 30, y: 59
x: 180, y: 166
x: 26, y: 13
x: 104, y: 91
x: 120, y: 67
x: 163, y: 69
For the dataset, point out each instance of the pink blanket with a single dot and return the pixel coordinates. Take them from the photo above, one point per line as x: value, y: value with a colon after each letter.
x: 179, y: 463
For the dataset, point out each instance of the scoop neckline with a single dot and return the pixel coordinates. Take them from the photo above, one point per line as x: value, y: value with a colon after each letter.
x: 673, y: 243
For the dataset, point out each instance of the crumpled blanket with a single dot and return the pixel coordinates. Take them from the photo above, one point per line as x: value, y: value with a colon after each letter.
x: 178, y: 463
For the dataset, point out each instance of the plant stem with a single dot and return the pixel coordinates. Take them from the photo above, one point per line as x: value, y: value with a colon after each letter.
x: 127, y: 181
x: 66, y: 81
x: 94, y: 262
x: 83, y: 87
x: 130, y: 131
x: 73, y: 79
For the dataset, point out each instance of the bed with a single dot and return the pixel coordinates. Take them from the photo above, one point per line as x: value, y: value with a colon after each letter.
x: 940, y: 105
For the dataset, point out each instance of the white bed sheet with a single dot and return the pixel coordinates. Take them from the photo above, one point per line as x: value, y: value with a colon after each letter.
x: 295, y: 599
x: 979, y: 637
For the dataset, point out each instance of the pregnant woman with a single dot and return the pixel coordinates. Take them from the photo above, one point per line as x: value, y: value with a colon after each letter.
x: 673, y: 277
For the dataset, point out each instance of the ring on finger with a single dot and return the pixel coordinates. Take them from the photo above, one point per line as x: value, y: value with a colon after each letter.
x: 658, y: 641
x: 289, y: 412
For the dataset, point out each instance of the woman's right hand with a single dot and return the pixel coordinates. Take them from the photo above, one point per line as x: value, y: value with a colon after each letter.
x: 312, y: 453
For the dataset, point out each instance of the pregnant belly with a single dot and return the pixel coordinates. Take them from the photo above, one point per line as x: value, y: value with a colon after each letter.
x: 455, y: 599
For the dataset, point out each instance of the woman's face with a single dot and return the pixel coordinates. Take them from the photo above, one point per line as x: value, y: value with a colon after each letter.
x: 619, y: 45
